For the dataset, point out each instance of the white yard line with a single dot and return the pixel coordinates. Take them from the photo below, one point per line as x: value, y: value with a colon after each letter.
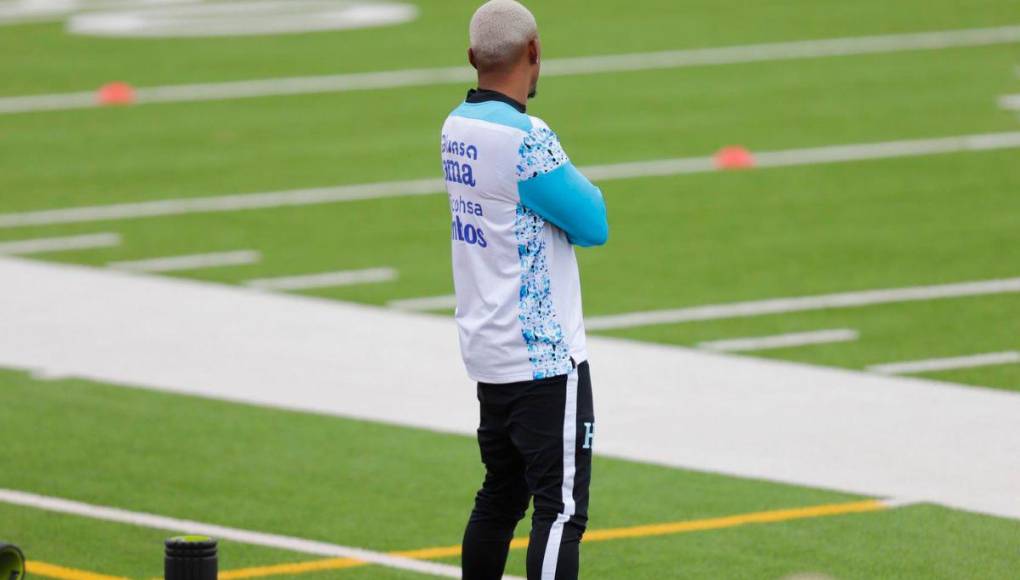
x: 672, y: 59
x: 424, y: 304
x: 146, y: 520
x: 888, y: 150
x: 236, y: 202
x: 1010, y: 102
x: 325, y: 279
x: 947, y: 364
x: 189, y: 262
x: 803, y: 304
x: 346, y: 193
x: 754, y: 343
x: 742, y: 416
x: 63, y: 244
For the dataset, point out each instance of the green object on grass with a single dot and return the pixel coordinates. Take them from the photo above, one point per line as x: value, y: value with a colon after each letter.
x: 190, y: 539
x: 12, y: 562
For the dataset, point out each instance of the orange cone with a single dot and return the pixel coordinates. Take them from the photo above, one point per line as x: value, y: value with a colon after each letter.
x: 734, y: 157
x: 116, y: 93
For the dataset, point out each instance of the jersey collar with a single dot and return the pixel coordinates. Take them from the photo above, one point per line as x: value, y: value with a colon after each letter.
x: 483, y: 95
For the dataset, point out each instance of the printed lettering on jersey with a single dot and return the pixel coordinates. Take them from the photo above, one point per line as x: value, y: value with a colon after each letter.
x: 515, y: 274
x: 462, y: 230
x: 458, y: 170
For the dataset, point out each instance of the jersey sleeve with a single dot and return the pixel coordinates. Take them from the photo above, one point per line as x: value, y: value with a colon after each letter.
x: 550, y: 185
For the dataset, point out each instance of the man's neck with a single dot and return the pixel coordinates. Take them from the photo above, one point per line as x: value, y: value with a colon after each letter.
x: 511, y: 87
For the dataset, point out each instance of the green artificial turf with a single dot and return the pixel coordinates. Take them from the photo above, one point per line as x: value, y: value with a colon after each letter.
x: 675, y: 242
x: 37, y: 56
x: 390, y: 488
x: 87, y: 157
x: 110, y: 548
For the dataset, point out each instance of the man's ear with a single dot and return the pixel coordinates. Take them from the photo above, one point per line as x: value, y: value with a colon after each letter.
x: 533, y: 51
x: 471, y: 59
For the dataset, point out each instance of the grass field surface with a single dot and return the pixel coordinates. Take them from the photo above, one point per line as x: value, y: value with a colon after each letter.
x: 676, y: 241
x: 362, y: 484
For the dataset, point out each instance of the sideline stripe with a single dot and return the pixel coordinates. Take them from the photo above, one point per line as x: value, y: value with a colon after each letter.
x: 41, y: 245
x: 189, y: 262
x: 427, y: 303
x: 772, y: 516
x: 588, y: 65
x: 551, y: 558
x: 288, y: 569
x: 325, y: 280
x: 671, y: 528
x: 110, y: 514
x: 61, y: 573
x: 754, y: 343
x: 803, y: 304
x: 947, y: 364
x: 662, y: 167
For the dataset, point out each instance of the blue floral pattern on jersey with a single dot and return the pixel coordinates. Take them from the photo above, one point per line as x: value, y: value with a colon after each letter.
x: 539, y: 153
x: 547, y: 347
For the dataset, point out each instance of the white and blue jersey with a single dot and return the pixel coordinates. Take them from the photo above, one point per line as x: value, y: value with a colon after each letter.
x: 518, y: 207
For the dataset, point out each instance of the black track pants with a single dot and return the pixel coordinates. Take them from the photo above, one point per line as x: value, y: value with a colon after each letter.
x: 536, y: 439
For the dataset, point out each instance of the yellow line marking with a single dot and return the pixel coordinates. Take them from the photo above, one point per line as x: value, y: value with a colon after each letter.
x: 682, y: 527
x: 733, y: 521
x: 61, y: 573
x: 295, y: 568
x: 431, y: 553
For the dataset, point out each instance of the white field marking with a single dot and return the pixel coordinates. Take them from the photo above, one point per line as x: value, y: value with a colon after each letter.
x: 20, y: 11
x: 427, y: 303
x: 42, y: 245
x: 146, y: 520
x: 803, y: 303
x: 223, y: 203
x: 749, y: 417
x: 257, y: 17
x: 947, y: 364
x: 189, y: 262
x: 47, y: 375
x: 346, y: 193
x: 325, y: 280
x: 804, y: 49
x: 754, y: 343
x: 1010, y: 102
x: 893, y: 503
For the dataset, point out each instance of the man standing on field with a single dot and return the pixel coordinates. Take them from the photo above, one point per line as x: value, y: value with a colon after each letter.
x: 518, y: 207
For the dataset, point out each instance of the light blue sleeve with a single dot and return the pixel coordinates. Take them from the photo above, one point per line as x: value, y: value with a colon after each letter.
x: 567, y: 199
x: 552, y: 187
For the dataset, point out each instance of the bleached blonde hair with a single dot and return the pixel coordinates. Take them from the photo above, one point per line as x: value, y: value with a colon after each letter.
x: 499, y: 30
